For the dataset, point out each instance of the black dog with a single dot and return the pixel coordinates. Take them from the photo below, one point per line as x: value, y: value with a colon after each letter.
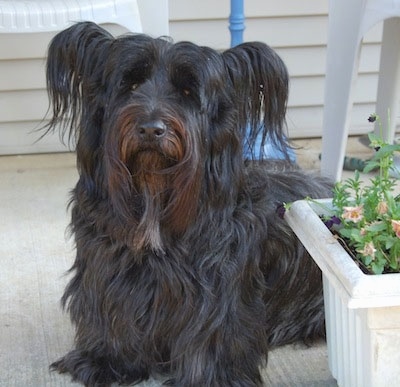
x: 183, y: 265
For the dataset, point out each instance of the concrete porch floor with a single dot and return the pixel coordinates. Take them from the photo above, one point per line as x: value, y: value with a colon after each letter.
x: 35, y: 254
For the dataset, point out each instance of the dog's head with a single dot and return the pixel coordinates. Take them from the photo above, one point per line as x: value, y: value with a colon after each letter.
x: 160, y: 127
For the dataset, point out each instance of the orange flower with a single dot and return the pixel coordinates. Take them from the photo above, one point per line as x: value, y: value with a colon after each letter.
x: 368, y: 250
x: 355, y: 214
x: 396, y: 227
x: 382, y: 208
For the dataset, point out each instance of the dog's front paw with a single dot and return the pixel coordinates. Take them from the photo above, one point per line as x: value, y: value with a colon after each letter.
x: 83, y: 368
x: 95, y: 372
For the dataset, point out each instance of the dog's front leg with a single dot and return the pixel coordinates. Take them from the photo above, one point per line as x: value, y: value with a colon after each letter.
x: 219, y: 365
x: 227, y: 351
x: 106, y: 350
x: 93, y: 370
x: 93, y: 363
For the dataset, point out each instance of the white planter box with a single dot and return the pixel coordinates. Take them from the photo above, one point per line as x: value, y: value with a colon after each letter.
x: 362, y: 311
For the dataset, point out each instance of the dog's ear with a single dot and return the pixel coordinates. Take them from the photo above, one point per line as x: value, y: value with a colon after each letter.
x: 260, y: 80
x: 75, y: 56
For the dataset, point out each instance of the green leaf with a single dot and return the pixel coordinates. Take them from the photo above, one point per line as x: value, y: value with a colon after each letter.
x: 370, y: 166
x: 386, y: 150
x: 373, y: 138
x: 376, y: 227
x: 389, y: 242
x: 346, y: 232
x: 367, y: 259
x: 377, y: 267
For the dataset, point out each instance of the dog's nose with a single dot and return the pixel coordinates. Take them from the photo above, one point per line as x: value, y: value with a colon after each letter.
x: 152, y: 130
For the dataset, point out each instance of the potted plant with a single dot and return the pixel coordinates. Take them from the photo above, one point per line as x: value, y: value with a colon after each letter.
x: 361, y: 276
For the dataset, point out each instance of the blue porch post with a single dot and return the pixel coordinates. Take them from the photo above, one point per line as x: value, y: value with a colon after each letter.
x: 236, y: 22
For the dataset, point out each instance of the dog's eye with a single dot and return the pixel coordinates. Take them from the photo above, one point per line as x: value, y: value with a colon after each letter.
x: 186, y: 92
x: 134, y: 86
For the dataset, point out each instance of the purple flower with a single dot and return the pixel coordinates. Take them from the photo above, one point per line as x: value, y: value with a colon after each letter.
x: 280, y: 210
x: 332, y: 221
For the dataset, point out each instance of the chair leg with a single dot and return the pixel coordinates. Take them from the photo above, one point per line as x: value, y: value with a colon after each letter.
x: 388, y: 95
x: 344, y: 38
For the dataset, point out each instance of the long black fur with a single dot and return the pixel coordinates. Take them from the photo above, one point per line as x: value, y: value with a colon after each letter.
x: 183, y: 265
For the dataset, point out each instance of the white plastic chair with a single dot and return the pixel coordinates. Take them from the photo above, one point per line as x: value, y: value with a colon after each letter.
x: 41, y: 16
x: 349, y: 20
x: 20, y: 16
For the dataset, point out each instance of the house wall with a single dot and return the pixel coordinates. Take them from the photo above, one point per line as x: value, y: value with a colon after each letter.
x: 295, y: 28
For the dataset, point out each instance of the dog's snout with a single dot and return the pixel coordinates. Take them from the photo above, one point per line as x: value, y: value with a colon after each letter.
x: 152, y: 130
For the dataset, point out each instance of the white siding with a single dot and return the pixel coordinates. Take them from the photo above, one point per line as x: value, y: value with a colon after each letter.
x: 297, y: 29
x: 23, y: 97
